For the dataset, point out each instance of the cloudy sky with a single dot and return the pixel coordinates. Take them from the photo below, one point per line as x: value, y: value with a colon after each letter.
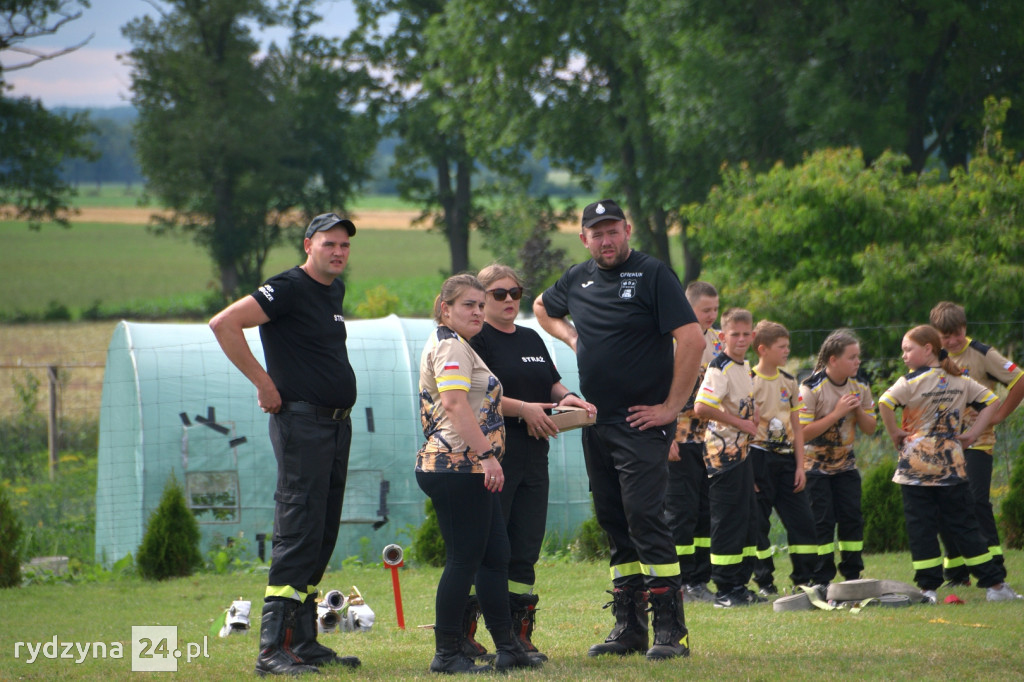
x: 92, y: 76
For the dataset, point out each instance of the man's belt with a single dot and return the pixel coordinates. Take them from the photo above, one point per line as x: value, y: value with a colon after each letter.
x: 336, y: 413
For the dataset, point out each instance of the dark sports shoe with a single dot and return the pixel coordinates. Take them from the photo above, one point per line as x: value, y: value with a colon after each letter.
x: 738, y: 596
x: 768, y: 590
x: 697, y: 592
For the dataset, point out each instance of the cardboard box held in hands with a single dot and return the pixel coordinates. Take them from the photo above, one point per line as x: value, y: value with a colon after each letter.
x: 569, y: 418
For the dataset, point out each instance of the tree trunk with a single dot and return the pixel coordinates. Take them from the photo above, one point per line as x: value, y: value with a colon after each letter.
x: 691, y: 255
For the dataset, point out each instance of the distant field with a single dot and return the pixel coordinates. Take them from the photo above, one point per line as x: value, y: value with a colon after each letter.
x: 119, y: 264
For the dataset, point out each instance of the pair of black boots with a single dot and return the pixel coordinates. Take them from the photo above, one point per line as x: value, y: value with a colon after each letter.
x: 449, y: 656
x: 523, y: 609
x: 630, y: 635
x: 288, y: 643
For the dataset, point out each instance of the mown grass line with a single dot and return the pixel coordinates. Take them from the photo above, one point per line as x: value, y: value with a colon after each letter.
x: 977, y: 641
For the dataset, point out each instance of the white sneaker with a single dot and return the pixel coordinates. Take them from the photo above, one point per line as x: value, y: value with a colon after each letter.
x: 1001, y: 592
x: 929, y: 597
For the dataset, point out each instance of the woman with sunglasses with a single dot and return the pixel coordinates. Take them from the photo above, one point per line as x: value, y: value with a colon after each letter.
x: 459, y: 469
x: 531, y: 385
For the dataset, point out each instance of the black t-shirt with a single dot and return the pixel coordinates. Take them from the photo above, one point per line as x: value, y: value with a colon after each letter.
x: 522, y: 364
x: 304, y: 342
x: 624, y: 317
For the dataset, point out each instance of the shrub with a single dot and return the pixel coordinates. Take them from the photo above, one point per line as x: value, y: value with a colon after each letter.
x: 379, y: 302
x: 170, y: 546
x: 1012, y: 517
x: 591, y: 541
x: 882, y: 505
x: 10, y: 534
x: 428, y: 545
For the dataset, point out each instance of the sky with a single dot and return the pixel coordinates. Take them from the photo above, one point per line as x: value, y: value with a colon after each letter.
x: 92, y: 76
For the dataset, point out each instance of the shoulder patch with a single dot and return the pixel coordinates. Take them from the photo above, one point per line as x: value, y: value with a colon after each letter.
x: 815, y: 379
x: 720, y: 361
x: 786, y: 374
x: 917, y: 372
x: 445, y: 333
x: 979, y: 346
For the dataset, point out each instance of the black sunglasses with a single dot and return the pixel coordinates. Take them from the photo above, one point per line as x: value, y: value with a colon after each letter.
x: 500, y: 294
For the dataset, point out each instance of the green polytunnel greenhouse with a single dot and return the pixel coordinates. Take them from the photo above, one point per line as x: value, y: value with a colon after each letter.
x: 173, y: 404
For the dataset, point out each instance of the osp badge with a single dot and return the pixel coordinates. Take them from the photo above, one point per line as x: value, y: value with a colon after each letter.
x: 627, y: 288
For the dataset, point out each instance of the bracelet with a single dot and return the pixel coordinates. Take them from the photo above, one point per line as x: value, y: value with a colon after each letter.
x: 520, y: 415
x: 566, y: 395
x: 485, y: 454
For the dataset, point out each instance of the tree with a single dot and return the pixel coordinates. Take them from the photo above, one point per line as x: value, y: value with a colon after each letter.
x: 34, y: 142
x: 170, y: 545
x: 568, y: 78
x: 832, y: 242
x: 433, y: 166
x: 233, y: 142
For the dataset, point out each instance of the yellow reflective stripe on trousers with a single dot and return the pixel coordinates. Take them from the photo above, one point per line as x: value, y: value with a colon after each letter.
x: 927, y: 563
x: 953, y: 563
x: 826, y: 549
x: 660, y: 570
x: 726, y: 559
x: 763, y: 554
x: 519, y: 588
x: 286, y: 591
x: 851, y: 545
x: 750, y: 551
x: 685, y: 550
x: 995, y: 550
x: 803, y: 549
x: 980, y: 559
x: 625, y: 570
x: 702, y: 542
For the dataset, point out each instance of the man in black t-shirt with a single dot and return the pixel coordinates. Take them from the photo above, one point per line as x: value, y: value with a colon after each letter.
x: 627, y: 309
x: 308, y: 389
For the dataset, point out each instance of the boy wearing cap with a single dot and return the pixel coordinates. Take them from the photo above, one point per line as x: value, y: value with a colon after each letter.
x: 988, y: 367
x: 627, y: 308
x: 308, y: 389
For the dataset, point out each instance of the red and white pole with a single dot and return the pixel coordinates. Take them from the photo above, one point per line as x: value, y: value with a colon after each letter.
x: 393, y: 559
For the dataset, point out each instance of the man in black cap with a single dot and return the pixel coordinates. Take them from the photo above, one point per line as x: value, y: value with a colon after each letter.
x: 627, y: 309
x: 308, y: 389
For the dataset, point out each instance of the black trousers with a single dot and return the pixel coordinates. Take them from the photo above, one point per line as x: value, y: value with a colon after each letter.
x: 688, y: 513
x: 475, y: 545
x: 931, y: 509
x: 835, y: 501
x: 628, y: 471
x: 979, y: 480
x: 773, y: 476
x: 733, y: 530
x: 312, y: 465
x: 524, y: 504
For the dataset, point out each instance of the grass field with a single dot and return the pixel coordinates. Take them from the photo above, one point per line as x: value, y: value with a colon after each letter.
x: 976, y: 641
x: 126, y: 265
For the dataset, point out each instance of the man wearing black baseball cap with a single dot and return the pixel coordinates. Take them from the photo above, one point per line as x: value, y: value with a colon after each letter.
x: 308, y: 389
x: 627, y: 310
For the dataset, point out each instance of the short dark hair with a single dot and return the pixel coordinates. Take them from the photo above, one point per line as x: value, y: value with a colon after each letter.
x: 766, y: 333
x: 948, y: 317
x: 698, y: 289
x: 734, y: 315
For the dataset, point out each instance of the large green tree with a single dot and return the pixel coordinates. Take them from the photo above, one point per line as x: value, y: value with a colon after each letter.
x: 239, y: 145
x: 35, y: 142
x: 830, y: 242
x: 433, y: 165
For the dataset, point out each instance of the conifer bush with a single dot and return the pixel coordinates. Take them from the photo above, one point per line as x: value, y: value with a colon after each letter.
x: 882, y: 506
x: 10, y: 539
x: 428, y: 545
x: 170, y: 546
x: 1012, y: 516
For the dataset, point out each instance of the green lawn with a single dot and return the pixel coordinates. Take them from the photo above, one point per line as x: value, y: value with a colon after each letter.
x: 125, y: 265
x: 977, y: 641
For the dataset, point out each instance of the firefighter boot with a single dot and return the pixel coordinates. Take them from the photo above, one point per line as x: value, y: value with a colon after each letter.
x: 671, y: 638
x: 524, y: 614
x: 277, y: 634
x: 509, y: 651
x: 449, y: 657
x: 629, y: 636
x: 470, y: 647
x: 305, y: 645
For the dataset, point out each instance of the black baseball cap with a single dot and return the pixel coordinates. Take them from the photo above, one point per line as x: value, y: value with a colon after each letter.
x: 326, y: 221
x: 599, y: 211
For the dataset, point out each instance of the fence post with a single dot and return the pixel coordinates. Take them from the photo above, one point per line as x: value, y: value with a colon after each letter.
x: 51, y: 422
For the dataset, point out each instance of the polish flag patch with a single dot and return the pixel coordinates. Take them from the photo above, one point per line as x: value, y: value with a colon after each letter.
x: 451, y: 367
x: 1009, y: 367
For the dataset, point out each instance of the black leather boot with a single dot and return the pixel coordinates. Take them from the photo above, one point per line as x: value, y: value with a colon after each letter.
x: 470, y: 618
x: 509, y: 651
x: 524, y: 615
x: 307, y: 647
x: 629, y: 636
x: 277, y: 635
x: 449, y: 658
x: 671, y: 638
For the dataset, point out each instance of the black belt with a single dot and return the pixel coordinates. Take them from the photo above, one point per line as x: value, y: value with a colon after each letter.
x: 335, y: 413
